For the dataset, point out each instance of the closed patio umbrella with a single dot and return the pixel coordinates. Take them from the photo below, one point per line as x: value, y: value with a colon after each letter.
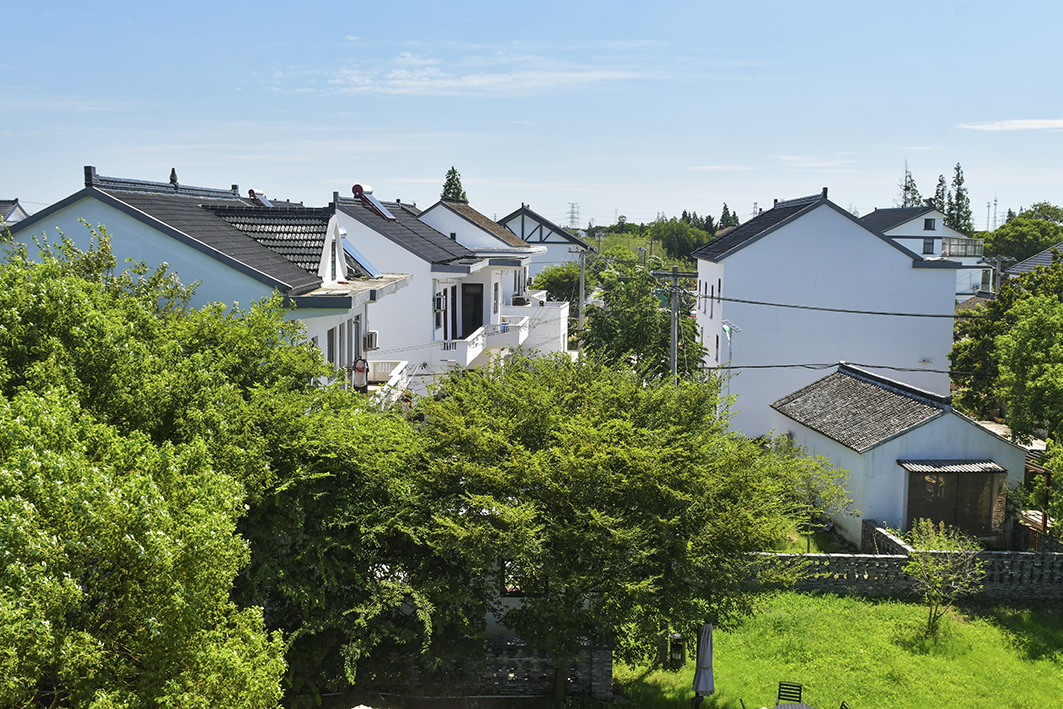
x: 703, y: 682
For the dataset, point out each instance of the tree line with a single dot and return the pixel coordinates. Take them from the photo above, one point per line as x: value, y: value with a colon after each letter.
x: 191, y: 514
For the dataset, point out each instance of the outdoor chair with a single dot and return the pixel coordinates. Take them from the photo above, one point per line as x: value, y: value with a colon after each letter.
x: 788, y: 692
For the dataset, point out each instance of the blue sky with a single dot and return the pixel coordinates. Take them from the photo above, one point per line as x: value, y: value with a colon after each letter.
x: 629, y: 108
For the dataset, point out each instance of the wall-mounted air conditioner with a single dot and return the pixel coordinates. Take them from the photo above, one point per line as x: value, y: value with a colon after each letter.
x: 372, y: 340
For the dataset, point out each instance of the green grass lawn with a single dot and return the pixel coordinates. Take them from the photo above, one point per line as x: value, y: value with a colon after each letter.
x: 872, y: 654
x: 795, y: 542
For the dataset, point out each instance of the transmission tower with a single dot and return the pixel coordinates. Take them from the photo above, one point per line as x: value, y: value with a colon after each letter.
x: 573, y: 215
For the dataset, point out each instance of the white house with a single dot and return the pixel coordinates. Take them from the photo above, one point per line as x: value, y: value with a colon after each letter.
x: 237, y: 250
x: 455, y: 312
x: 910, y: 455
x: 561, y: 247
x: 512, y: 258
x: 805, y: 285
x: 11, y: 211
x: 923, y: 230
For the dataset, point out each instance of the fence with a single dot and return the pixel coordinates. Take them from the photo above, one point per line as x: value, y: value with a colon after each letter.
x: 1010, y: 575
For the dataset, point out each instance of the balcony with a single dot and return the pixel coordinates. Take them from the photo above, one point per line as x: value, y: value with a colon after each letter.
x: 387, y: 379
x: 957, y: 247
x: 449, y: 353
x: 511, y: 332
x: 548, y: 321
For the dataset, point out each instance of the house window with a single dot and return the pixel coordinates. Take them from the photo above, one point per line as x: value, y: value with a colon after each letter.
x: 439, y: 306
x: 973, y: 502
x: 929, y: 224
x: 494, y: 302
x: 717, y: 348
x: 330, y: 346
x: 453, y: 236
x: 928, y: 246
x: 987, y: 279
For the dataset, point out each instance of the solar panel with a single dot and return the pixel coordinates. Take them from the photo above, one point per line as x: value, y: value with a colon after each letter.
x: 375, y: 204
x: 354, y: 253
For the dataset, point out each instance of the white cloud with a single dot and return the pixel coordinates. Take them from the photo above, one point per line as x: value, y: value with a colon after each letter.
x: 1020, y: 124
x: 433, y: 81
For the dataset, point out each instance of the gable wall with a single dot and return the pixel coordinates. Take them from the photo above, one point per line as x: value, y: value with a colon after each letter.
x: 826, y: 260
x: 468, y: 234
x: 132, y: 239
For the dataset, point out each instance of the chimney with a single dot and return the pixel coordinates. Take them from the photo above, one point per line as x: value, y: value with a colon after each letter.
x: 775, y: 204
x: 398, y: 201
x: 90, y: 175
x: 824, y: 193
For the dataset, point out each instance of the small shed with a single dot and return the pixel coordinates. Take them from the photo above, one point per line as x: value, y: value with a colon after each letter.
x: 909, y: 453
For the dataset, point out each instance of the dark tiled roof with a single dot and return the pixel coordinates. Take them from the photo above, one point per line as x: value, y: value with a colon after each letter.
x: 859, y: 409
x: 121, y: 184
x: 1042, y: 259
x: 971, y: 303
x: 726, y: 242
x: 484, y: 223
x: 408, y: 231
x: 882, y: 220
x: 951, y: 466
x: 187, y: 215
x: 6, y: 205
x: 296, y: 233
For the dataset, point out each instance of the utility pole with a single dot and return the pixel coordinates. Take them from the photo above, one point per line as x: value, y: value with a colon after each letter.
x: 675, y: 274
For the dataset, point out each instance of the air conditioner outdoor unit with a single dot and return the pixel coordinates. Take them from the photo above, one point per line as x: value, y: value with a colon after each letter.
x: 521, y: 300
x: 372, y: 340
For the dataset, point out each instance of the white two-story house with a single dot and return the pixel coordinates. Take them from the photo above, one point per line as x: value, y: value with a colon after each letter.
x: 236, y: 250
x: 805, y: 285
x: 923, y: 230
x: 511, y: 259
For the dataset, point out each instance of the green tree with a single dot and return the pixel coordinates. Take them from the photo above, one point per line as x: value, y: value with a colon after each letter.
x: 632, y: 328
x: 958, y: 205
x: 1030, y: 353
x: 613, y: 501
x: 1023, y: 237
x: 127, y: 460
x: 975, y: 357
x: 452, y: 189
x: 1045, y: 211
x: 943, y: 566
x: 678, y: 238
x: 561, y: 282
x: 909, y: 194
x: 816, y: 488
x: 941, y: 195
x: 727, y: 217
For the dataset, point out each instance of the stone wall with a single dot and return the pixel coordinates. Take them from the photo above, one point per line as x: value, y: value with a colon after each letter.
x: 1010, y: 575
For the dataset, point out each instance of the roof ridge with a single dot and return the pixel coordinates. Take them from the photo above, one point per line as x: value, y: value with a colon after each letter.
x: 897, y: 387
x: 122, y: 184
x: 797, y: 201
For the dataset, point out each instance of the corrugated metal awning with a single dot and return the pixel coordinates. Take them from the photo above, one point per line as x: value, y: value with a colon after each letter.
x: 951, y: 466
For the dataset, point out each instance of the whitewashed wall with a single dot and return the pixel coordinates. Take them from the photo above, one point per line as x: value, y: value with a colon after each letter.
x: 825, y: 259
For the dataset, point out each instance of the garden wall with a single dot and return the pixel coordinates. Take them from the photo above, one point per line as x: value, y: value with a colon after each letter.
x: 1010, y: 575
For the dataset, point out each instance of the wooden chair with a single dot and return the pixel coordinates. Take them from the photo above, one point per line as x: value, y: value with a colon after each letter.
x: 788, y: 692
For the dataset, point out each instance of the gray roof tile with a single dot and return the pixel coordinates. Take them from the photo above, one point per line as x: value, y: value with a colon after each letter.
x: 493, y: 228
x: 1042, y: 259
x: 859, y: 409
x: 408, y: 231
x: 883, y: 220
x: 740, y: 236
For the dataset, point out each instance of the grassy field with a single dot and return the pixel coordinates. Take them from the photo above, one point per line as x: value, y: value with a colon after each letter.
x: 872, y: 654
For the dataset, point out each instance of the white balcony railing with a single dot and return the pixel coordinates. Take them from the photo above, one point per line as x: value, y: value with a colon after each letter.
x: 511, y: 332
x: 460, y: 352
x: 388, y: 379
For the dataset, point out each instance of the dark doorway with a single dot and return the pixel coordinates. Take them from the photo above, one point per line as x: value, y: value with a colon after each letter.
x: 472, y: 308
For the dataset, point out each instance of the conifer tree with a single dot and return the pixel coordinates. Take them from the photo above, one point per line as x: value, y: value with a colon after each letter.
x: 909, y: 196
x: 452, y: 189
x: 959, y: 215
x: 941, y: 194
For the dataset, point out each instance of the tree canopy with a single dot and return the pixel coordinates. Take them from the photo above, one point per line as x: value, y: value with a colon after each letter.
x: 613, y: 501
x: 127, y: 457
x: 452, y: 189
x: 1023, y: 237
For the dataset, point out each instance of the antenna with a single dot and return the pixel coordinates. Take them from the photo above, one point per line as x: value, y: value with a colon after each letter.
x: 994, y: 214
x: 988, y: 227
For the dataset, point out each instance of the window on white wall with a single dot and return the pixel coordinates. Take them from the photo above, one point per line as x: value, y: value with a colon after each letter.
x: 929, y: 224
x: 495, y: 298
x: 928, y: 246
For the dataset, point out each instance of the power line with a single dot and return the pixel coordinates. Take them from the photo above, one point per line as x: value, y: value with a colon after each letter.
x: 842, y: 310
